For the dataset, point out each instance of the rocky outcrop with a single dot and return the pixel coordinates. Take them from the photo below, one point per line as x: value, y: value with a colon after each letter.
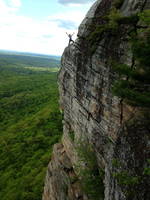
x: 119, y: 137
x: 61, y: 181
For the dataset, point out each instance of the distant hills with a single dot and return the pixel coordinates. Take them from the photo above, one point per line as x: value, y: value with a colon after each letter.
x: 8, y: 52
x: 22, y: 58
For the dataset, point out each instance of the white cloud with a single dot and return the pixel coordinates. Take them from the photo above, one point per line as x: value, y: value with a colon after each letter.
x: 26, y: 34
x: 4, y: 9
x: 14, y: 3
x: 74, y: 2
x: 68, y: 17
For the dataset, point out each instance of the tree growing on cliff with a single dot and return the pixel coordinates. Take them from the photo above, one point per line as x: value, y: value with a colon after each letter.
x: 133, y: 84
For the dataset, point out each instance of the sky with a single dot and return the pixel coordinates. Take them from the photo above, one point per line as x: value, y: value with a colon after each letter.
x: 40, y: 26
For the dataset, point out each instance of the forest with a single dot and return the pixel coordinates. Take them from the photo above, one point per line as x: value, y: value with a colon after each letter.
x: 30, y: 123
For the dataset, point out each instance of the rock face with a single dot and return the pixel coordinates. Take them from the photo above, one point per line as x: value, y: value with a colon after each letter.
x: 60, y: 177
x: 120, y: 137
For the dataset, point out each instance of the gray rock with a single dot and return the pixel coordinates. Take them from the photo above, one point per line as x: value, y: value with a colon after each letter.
x: 92, y: 113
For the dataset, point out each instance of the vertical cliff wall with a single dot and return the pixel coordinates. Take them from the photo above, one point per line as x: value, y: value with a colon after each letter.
x: 93, y: 117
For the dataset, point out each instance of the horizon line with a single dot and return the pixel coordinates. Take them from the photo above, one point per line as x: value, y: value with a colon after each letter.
x: 8, y: 50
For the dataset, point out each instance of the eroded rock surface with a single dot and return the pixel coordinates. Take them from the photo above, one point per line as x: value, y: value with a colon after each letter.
x: 61, y: 181
x: 91, y: 111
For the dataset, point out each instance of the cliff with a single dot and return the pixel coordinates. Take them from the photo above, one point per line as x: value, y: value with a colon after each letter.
x: 105, y: 146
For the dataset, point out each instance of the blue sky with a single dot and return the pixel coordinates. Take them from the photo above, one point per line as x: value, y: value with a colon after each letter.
x: 40, y: 26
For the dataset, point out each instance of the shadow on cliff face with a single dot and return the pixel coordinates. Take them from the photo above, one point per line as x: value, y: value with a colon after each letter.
x: 91, y: 110
x: 131, y: 158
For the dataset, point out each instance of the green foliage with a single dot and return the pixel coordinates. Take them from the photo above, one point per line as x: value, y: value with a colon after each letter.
x: 129, y: 20
x: 125, y: 90
x: 30, y: 123
x: 111, y: 25
x: 141, y: 51
x: 94, y: 37
x: 113, y: 17
x: 118, y: 3
x: 147, y: 169
x: 128, y: 182
x: 116, y: 163
x: 91, y: 175
x: 112, y: 22
x: 124, y: 178
x: 28, y: 60
x: 72, y: 136
x: 145, y: 16
x: 133, y: 83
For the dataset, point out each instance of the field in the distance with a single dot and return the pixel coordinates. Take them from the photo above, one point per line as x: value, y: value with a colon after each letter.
x: 30, y: 123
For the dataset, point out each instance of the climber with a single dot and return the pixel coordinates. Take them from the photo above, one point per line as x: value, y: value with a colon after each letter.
x: 70, y: 38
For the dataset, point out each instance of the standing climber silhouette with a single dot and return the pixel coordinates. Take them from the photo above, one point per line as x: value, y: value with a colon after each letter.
x: 70, y: 38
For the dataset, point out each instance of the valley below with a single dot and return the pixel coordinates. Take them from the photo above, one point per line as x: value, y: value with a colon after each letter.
x: 30, y: 123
